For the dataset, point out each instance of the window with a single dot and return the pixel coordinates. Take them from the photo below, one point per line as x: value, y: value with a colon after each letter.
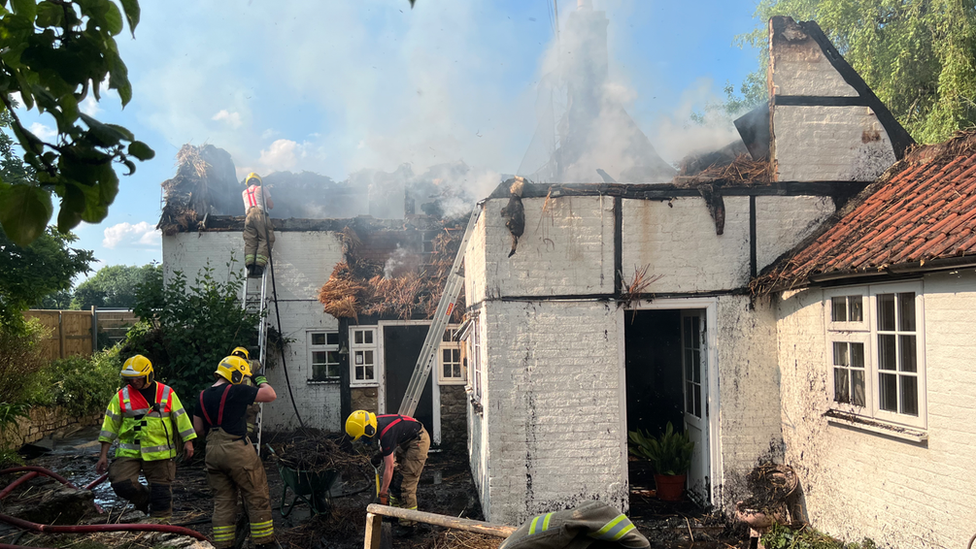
x: 474, y: 346
x: 450, y: 369
x: 362, y: 353
x: 875, y: 352
x: 323, y: 356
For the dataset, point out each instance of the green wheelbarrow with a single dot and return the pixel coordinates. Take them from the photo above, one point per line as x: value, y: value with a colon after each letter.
x: 310, y: 487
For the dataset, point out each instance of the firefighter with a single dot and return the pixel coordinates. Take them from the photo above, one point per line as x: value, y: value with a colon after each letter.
x: 402, y: 434
x: 233, y: 467
x: 591, y: 524
x: 253, y: 409
x: 258, y: 232
x: 146, y: 417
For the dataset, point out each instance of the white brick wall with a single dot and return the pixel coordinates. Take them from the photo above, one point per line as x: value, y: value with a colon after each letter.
x: 566, y: 250
x: 829, y: 144
x: 553, y: 422
x: 860, y: 484
x: 801, y: 68
x: 303, y: 262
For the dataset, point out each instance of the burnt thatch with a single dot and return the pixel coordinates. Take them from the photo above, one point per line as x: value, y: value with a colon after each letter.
x: 740, y: 170
x: 205, y: 183
x: 363, y: 286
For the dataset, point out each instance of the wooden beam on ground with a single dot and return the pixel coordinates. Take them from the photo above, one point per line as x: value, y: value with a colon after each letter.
x: 374, y: 510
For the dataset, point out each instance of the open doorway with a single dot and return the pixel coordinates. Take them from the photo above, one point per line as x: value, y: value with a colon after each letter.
x: 666, y: 382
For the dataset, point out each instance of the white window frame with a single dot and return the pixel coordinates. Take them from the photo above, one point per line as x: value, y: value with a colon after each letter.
x: 327, y: 347
x: 449, y: 342
x: 355, y: 349
x: 473, y: 341
x: 866, y: 332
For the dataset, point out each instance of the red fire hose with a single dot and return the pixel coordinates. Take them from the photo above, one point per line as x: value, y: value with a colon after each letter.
x: 35, y: 527
x: 48, y: 528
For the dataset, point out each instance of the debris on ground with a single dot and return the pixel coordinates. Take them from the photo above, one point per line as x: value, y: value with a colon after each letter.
x: 314, y: 451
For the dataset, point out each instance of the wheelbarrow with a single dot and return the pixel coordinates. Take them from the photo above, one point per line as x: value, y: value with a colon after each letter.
x: 310, y: 487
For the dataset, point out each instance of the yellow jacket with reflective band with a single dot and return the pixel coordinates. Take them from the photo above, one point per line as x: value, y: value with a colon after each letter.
x: 144, y: 430
x: 577, y: 528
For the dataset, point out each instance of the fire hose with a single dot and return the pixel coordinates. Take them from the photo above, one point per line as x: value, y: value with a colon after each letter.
x: 33, y: 471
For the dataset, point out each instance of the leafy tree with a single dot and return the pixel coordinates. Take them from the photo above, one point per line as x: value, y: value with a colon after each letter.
x: 114, y: 286
x: 28, y: 274
x: 919, y: 56
x: 186, y: 329
x: 54, y: 53
x: 58, y: 300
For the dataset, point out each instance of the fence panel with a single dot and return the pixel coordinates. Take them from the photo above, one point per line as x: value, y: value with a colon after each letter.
x: 50, y: 345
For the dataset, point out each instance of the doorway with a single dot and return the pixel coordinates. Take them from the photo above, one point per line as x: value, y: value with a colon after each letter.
x: 666, y: 381
x: 401, y: 348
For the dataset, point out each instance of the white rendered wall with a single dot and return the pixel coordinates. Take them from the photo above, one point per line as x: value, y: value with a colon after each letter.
x: 801, y: 68
x: 861, y: 484
x: 303, y: 262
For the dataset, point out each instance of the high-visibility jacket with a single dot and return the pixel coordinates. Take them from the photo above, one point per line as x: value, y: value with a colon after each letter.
x: 146, y: 431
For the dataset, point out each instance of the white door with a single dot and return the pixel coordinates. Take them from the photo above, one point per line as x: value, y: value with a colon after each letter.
x: 693, y: 354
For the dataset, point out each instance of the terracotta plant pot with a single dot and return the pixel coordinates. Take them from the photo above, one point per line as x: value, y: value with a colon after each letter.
x: 759, y: 520
x: 670, y: 487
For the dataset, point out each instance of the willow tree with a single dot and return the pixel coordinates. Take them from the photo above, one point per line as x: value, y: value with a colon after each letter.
x: 919, y: 56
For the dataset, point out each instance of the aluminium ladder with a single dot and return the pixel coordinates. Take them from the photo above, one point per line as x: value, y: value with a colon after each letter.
x: 254, y: 299
x: 445, y: 307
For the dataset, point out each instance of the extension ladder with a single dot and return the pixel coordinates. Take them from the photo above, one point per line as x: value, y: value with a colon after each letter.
x: 254, y: 298
x: 452, y: 287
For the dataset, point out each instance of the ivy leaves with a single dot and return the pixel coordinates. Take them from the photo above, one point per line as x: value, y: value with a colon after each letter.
x: 53, y: 53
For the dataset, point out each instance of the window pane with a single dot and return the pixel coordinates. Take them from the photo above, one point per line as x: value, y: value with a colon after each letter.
x: 696, y: 365
x: 689, y: 397
x: 856, y: 308
x: 319, y: 358
x: 886, y: 312
x: 857, y: 384
x: 446, y: 369
x: 888, y: 392
x: 357, y: 337
x: 841, y: 357
x: 369, y: 357
x: 697, y: 401
x: 369, y: 372
x: 360, y: 357
x: 445, y: 355
x: 906, y: 312
x: 457, y: 371
x: 332, y: 338
x: 447, y: 335
x: 359, y: 374
x: 908, y: 353
x: 333, y: 370
x: 368, y: 337
x: 841, y: 393
x: 886, y: 352
x: 689, y: 358
x: 838, y: 309
x: 333, y: 357
x: 318, y: 339
x: 857, y: 355
x: 909, y: 395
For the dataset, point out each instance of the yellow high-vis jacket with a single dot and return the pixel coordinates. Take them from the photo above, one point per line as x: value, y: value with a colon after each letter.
x: 146, y: 431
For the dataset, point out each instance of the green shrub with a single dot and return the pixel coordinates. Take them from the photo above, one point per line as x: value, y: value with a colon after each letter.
x: 83, y: 385
x: 21, y: 363
x: 669, y: 454
x: 781, y: 536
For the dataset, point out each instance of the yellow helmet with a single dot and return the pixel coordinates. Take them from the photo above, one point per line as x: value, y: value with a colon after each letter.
x: 241, y: 352
x: 233, y: 369
x: 361, y: 423
x: 136, y: 367
x: 250, y: 176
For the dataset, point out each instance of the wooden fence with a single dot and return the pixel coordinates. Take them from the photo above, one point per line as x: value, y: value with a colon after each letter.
x: 74, y: 333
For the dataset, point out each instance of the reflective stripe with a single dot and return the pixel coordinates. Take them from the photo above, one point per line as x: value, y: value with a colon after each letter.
x: 177, y: 413
x: 535, y: 529
x: 112, y: 415
x: 613, y: 530
x: 224, y: 533
x: 135, y: 413
x: 162, y: 448
x: 108, y: 434
x: 262, y: 529
x: 187, y: 433
x: 128, y: 446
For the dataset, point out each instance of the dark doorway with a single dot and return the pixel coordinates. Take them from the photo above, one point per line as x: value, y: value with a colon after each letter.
x: 401, y: 347
x: 654, y: 378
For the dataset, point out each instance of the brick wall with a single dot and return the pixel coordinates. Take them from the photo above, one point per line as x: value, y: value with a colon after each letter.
x: 303, y: 262
x: 44, y: 421
x: 856, y: 483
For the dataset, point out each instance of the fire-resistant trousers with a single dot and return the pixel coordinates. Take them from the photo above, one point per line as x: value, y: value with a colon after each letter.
x: 234, y: 469
x: 258, y: 237
x: 411, y: 458
x: 123, y: 474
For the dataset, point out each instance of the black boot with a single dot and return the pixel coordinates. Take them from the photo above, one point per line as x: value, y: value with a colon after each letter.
x: 257, y: 271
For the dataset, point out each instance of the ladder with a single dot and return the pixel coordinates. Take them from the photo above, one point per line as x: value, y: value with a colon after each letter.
x: 254, y: 299
x: 442, y: 315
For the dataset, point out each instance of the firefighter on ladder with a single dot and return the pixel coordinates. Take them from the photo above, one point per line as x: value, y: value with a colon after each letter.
x: 258, y: 231
x: 233, y: 467
x: 146, y: 434
x: 402, y: 434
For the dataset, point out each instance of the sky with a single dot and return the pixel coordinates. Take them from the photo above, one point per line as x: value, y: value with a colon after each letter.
x: 338, y: 86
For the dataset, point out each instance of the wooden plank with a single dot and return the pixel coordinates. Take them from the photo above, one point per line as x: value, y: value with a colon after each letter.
x: 476, y: 526
x: 374, y: 528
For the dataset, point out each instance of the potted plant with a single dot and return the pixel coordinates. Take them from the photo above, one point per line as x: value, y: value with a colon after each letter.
x: 669, y: 455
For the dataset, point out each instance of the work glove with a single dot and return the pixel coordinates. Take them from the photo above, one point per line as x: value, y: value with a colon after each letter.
x: 384, y: 498
x: 259, y: 379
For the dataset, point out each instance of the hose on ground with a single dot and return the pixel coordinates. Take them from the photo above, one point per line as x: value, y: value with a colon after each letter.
x: 46, y: 472
x: 89, y: 528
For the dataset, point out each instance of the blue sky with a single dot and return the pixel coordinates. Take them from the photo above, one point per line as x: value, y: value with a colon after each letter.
x: 337, y: 86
